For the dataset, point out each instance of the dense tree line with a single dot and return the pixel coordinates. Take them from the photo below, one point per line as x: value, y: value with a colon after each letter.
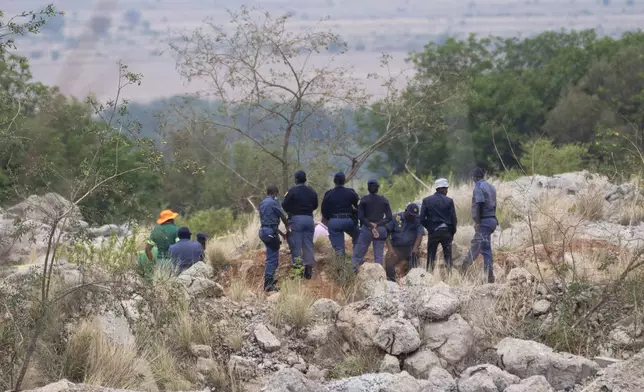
x: 572, y: 97
x: 555, y: 102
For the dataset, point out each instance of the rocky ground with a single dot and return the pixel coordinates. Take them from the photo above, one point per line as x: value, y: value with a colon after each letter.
x: 561, y: 316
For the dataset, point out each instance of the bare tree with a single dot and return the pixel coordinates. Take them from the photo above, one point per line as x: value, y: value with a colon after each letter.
x: 404, y: 111
x: 269, y: 89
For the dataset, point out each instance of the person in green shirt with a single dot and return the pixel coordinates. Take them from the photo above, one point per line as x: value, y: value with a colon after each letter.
x: 162, y: 236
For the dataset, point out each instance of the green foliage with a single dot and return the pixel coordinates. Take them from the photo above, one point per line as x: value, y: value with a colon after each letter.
x: 402, y: 189
x: 213, y: 222
x: 542, y: 157
x: 116, y: 255
x: 498, y: 94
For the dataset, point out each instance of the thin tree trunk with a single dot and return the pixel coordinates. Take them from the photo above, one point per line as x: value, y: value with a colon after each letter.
x: 31, y: 348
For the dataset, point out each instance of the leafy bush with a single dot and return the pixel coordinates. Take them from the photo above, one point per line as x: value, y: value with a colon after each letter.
x: 213, y: 221
x: 542, y: 157
x: 401, y: 190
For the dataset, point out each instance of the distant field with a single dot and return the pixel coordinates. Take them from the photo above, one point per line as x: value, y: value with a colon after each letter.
x: 79, y: 52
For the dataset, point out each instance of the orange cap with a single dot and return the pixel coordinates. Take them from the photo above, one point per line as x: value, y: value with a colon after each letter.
x: 166, y: 215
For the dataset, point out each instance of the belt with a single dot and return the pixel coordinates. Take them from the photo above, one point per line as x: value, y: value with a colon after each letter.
x: 342, y: 215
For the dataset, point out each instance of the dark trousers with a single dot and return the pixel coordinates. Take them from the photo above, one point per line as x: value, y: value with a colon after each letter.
x: 395, y: 255
x: 444, y: 238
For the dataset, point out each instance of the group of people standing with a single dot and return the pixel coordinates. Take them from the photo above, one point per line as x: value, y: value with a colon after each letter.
x: 369, y: 221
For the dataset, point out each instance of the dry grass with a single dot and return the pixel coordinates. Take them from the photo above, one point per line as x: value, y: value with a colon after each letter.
x: 92, y: 359
x: 165, y: 368
x: 217, y: 256
x: 239, y: 289
x: 321, y: 245
x: 357, y: 362
x: 589, y: 204
x: 631, y: 214
x: 235, y: 338
x: 294, y: 304
x: 185, y: 331
x: 223, y: 379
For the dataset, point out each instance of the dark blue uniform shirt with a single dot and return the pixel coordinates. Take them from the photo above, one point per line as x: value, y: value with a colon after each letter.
x: 270, y: 212
x: 404, y: 232
x: 185, y: 253
x: 300, y: 200
x: 339, y: 200
x: 374, y: 208
x: 436, y: 210
x: 483, y: 201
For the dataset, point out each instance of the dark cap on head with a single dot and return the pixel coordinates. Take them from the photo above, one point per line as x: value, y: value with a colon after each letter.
x: 373, y: 182
x: 184, y: 233
x: 339, y: 178
x: 412, y: 209
x: 201, y: 236
x: 300, y: 177
x: 478, y: 173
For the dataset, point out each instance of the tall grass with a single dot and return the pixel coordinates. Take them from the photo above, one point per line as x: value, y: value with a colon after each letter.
x: 294, y: 304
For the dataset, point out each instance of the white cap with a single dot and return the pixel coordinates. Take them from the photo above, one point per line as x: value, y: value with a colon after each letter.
x: 441, y: 183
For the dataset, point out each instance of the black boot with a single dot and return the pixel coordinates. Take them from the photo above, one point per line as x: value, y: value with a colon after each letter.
x: 490, y: 276
x: 308, y: 272
x: 270, y: 284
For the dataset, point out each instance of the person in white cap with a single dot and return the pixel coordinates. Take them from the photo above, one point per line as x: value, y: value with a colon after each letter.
x: 438, y: 216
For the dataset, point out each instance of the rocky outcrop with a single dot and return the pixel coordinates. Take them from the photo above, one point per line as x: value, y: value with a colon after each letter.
x: 485, y: 378
x: 525, y: 358
x: 627, y: 376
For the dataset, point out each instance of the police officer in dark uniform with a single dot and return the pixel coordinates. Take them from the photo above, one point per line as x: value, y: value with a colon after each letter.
x: 339, y: 212
x: 270, y: 214
x: 299, y: 203
x: 405, y: 236
x: 374, y: 212
x: 438, y: 216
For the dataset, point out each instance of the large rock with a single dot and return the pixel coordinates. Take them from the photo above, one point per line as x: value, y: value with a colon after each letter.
x: 485, y: 378
x: 531, y: 384
x: 291, y: 380
x: 381, y: 382
x: 433, y: 303
x: 397, y: 336
x: 319, y: 334
x: 417, y: 277
x: 390, y: 364
x: 265, y: 338
x: 325, y: 309
x: 242, y: 368
x: 46, y: 208
x: 525, y: 358
x: 453, y: 339
x: 627, y: 376
x: 199, y: 270
x: 115, y: 328
x: 371, y: 280
x: 358, y: 324
x: 421, y: 363
x: 199, y: 286
x: 440, y: 381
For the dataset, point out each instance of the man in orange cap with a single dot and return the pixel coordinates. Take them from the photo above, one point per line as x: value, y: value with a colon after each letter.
x: 164, y: 235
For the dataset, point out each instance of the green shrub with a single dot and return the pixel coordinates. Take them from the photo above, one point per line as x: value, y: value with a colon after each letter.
x: 401, y: 190
x: 213, y: 221
x: 542, y: 157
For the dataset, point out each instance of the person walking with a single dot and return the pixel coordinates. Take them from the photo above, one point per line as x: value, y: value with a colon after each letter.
x: 405, y: 233
x: 339, y: 211
x: 485, y: 223
x: 438, y: 216
x: 299, y: 203
x: 185, y: 252
x: 270, y: 215
x: 374, y: 212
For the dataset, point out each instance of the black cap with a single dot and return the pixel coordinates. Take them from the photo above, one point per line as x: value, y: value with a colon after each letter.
x: 339, y: 178
x: 300, y: 177
x: 478, y: 173
x: 373, y: 182
x: 183, y: 232
x: 412, y: 209
x: 201, y: 236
